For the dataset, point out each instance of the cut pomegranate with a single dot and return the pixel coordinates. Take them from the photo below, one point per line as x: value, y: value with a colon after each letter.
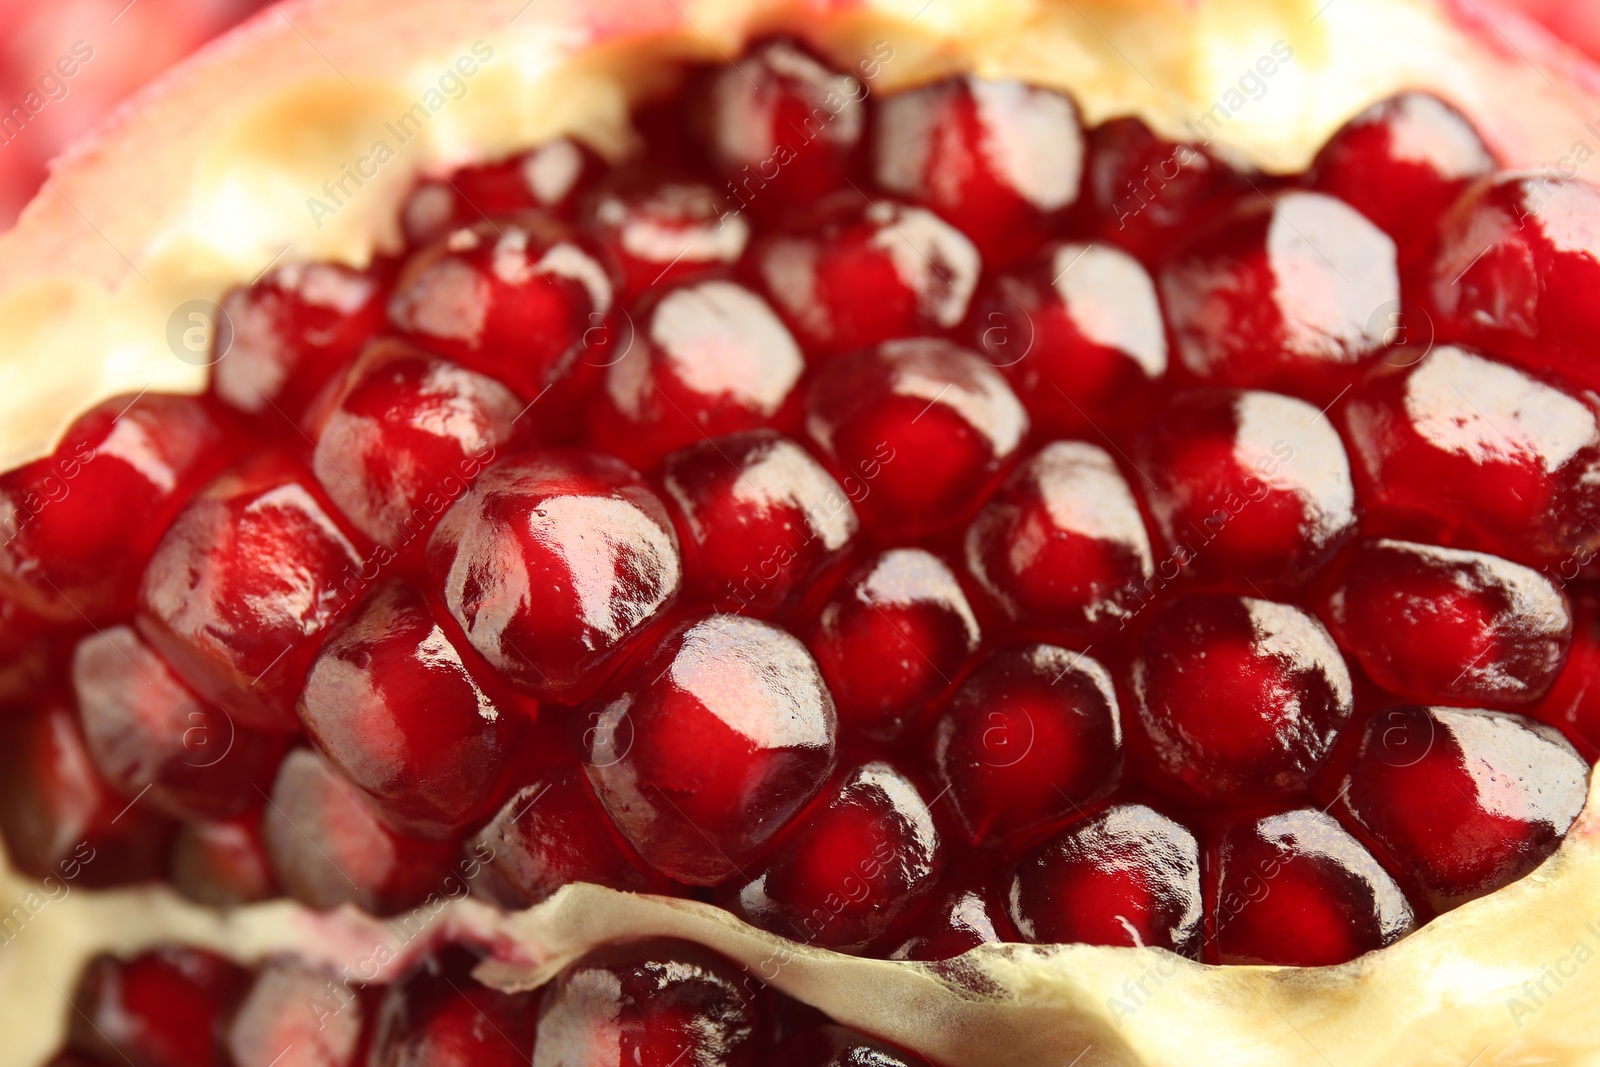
x: 549, y: 177
x: 835, y: 1046
x: 437, y: 1016
x: 1438, y: 624
x: 1461, y: 802
x: 294, y: 1016
x: 164, y: 1008
x: 1031, y: 739
x: 665, y: 233
x: 1239, y: 699
x: 759, y: 520
x: 710, y: 745
x: 223, y: 864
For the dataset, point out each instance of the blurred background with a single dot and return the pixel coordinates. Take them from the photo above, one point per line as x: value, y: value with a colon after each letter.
x: 112, y: 47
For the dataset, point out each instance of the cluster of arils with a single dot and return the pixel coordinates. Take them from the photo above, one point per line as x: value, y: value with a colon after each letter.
x: 907, y: 520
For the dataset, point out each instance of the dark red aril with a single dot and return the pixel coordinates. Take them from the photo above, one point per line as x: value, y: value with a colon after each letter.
x: 1573, y: 703
x: 552, y: 563
x: 759, y: 520
x: 1001, y: 160
x: 1141, y: 192
x: 835, y: 1046
x: 1239, y: 699
x: 1461, y: 802
x: 1297, y: 890
x: 894, y: 635
x: 704, y: 750
x: 296, y: 1016
x: 223, y: 864
x: 1062, y: 543
x: 137, y: 458
x: 1127, y: 876
x: 1031, y: 739
x: 438, y: 1016
x: 162, y: 1008
x: 705, y: 359
x: 1443, y: 625
x: 662, y: 233
x: 960, y: 916
x: 549, y: 177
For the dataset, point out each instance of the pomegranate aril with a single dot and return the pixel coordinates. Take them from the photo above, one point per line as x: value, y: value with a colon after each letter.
x: 706, y: 359
x: 759, y: 520
x: 854, y: 274
x: 1461, y: 802
x: 1401, y: 163
x: 400, y: 711
x: 163, y: 1008
x: 329, y: 846
x: 1078, y: 332
x: 148, y: 733
x: 223, y: 864
x: 1447, y: 626
x: 1573, y: 703
x: 707, y: 747
x: 1247, y: 486
x: 927, y: 426
x: 291, y: 331
x: 958, y: 918
x: 1031, y: 739
x: 1000, y: 160
x: 780, y: 125
x: 294, y: 1016
x: 402, y: 436
x: 548, y: 177
x: 551, y: 832
x: 552, y: 563
x: 894, y: 635
x: 1238, y: 699
x: 135, y: 458
x: 1140, y: 191
x: 1297, y: 890
x: 849, y: 866
x: 1062, y: 543
x: 1292, y: 292
x: 665, y: 232
x: 1127, y: 876
x: 1479, y: 453
x: 239, y: 590
x: 61, y: 822
x: 835, y: 1046
x: 1515, y: 268
x: 438, y: 1016
x: 517, y: 300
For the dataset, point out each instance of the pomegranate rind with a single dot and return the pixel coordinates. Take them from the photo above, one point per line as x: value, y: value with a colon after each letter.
x: 204, y: 181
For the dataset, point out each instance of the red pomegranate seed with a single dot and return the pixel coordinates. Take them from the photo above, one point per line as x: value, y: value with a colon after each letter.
x: 1478, y: 453
x: 402, y: 435
x: 1062, y: 542
x: 223, y: 864
x: 239, y: 590
x: 163, y: 1008
x: 516, y: 299
x: 438, y: 1016
x: 928, y: 426
x: 758, y: 518
x: 706, y: 359
x: 1000, y: 160
x: 1239, y: 699
x: 1297, y: 890
x: 1439, y: 624
x: 548, y: 178
x: 61, y: 821
x: 856, y: 273
x: 1573, y: 703
x: 30, y: 648
x: 1078, y: 332
x: 329, y: 847
x: 1127, y: 876
x: 849, y: 866
x: 781, y: 126
x: 1142, y: 192
x: 291, y: 331
x: 149, y: 734
x: 835, y: 1046
x: 135, y: 458
x: 1515, y: 263
x: 397, y: 708
x: 1462, y: 802
x: 552, y: 563
x: 1401, y: 163
x: 1031, y: 739
x: 1247, y: 486
x: 957, y: 920
x: 1292, y: 292
x: 652, y: 1004
x: 551, y: 832
x: 893, y: 636
x: 706, y: 749
x: 660, y: 233
x: 294, y: 1016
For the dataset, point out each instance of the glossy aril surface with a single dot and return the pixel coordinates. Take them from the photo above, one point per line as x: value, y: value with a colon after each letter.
x: 658, y: 234
x: 958, y: 918
x: 835, y: 1046
x: 549, y: 177
x: 223, y: 864
x: 296, y: 1016
x: 1141, y: 192
x: 439, y: 1016
x: 163, y: 1008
